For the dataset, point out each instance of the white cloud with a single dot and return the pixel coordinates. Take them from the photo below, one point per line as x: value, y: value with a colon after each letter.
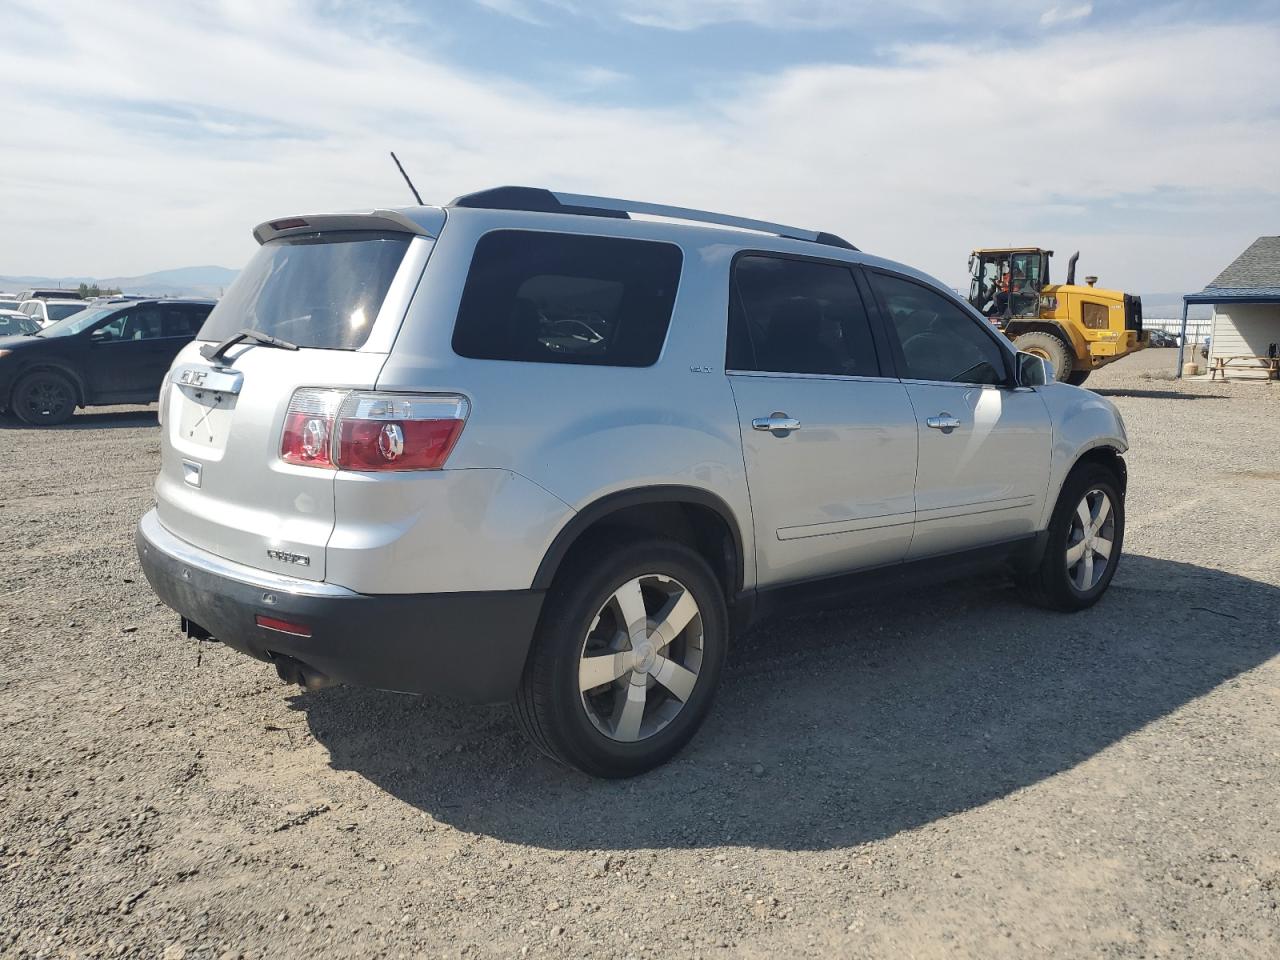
x: 1055, y: 16
x: 595, y: 77
x: 242, y: 111
x: 683, y: 15
x: 520, y: 9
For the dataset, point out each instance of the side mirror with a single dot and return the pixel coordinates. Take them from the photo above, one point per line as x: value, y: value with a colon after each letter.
x: 1033, y: 371
x: 100, y: 335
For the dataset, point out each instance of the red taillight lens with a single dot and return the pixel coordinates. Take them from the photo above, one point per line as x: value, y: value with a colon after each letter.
x: 371, y: 431
x: 399, y: 431
x: 309, y: 427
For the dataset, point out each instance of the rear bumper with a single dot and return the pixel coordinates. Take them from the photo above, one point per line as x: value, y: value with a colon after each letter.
x: 466, y: 645
x: 1104, y: 351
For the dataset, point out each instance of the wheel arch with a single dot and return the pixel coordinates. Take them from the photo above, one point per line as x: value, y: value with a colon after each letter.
x: 1106, y: 455
x: 1102, y: 452
x: 1075, y: 342
x: 50, y: 366
x: 694, y: 516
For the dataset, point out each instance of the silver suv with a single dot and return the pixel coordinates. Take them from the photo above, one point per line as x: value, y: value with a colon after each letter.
x: 529, y: 448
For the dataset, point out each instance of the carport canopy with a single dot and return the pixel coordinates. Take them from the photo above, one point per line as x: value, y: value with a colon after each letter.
x: 1212, y: 295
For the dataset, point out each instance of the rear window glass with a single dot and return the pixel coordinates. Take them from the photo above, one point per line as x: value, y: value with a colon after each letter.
x: 563, y: 298
x: 316, y: 291
x: 60, y: 311
x: 17, y: 326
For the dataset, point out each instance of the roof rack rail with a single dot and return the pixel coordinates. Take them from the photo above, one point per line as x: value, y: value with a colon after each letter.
x: 540, y: 200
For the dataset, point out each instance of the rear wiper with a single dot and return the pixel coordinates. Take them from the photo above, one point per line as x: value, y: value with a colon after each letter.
x: 217, y: 353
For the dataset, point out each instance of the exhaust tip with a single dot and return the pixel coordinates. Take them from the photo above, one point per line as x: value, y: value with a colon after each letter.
x: 292, y: 670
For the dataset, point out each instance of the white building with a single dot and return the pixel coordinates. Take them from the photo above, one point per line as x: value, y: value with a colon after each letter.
x: 1246, y: 309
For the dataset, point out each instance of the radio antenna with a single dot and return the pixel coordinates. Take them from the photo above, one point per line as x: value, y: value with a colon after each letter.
x: 400, y: 167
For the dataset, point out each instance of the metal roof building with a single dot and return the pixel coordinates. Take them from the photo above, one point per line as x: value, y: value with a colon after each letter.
x: 1246, y: 306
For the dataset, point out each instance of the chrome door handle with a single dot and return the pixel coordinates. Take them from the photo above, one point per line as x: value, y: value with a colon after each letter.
x: 944, y: 422
x: 779, y: 424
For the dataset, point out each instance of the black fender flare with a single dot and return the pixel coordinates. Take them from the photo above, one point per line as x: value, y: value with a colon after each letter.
x: 40, y: 366
x: 612, y: 503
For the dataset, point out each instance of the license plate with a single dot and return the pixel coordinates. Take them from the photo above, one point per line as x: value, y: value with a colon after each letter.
x: 205, y: 417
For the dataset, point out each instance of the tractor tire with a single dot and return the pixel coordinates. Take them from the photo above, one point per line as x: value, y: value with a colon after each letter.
x: 1078, y: 377
x: 1048, y: 347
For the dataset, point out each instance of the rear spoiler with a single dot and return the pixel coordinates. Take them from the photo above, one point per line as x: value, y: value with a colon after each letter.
x: 421, y: 221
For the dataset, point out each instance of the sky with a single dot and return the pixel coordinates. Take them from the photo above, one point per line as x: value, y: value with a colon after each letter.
x: 147, y: 134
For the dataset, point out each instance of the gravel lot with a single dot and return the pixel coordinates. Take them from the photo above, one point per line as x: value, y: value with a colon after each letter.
x: 954, y: 774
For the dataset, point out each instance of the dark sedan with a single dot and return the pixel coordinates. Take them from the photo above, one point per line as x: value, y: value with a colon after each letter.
x: 15, y: 324
x: 116, y: 352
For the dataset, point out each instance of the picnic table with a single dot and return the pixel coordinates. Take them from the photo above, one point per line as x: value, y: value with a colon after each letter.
x: 1220, y: 364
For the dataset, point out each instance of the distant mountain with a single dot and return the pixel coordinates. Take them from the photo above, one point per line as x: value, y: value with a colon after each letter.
x: 1168, y: 306
x: 180, y: 282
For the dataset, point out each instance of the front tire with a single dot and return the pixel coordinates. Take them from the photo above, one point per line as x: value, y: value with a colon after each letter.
x: 1077, y: 377
x: 44, y: 399
x: 626, y: 659
x: 1046, y: 346
x: 1085, y: 537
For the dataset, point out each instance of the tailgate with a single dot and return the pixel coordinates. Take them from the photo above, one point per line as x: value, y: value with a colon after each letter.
x: 334, y: 291
x: 222, y: 485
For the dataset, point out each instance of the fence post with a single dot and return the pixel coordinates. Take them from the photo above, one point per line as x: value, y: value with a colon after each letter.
x: 1182, y: 339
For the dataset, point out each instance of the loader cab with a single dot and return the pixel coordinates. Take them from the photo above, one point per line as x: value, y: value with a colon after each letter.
x: 1006, y: 282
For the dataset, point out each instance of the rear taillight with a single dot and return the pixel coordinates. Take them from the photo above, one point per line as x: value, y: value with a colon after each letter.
x: 309, y: 427
x: 371, y: 431
x: 399, y: 431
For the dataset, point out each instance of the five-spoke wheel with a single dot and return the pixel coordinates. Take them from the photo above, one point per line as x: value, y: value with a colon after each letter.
x: 1086, y: 532
x: 641, y: 658
x: 1091, y: 540
x: 627, y: 656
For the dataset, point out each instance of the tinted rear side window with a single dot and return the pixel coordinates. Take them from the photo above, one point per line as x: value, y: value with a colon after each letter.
x: 321, y: 290
x: 798, y: 316
x: 183, y: 321
x: 563, y: 298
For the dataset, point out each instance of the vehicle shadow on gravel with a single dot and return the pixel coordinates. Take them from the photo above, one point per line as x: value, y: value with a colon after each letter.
x: 843, y: 727
x: 92, y: 420
x: 1155, y: 394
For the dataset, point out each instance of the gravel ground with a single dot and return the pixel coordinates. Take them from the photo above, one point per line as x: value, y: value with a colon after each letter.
x: 962, y: 777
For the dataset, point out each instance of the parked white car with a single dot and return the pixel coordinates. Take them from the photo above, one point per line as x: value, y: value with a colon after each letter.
x: 45, y: 312
x: 525, y: 448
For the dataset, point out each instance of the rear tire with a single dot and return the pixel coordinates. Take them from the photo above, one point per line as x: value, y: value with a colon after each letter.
x: 1080, y: 556
x: 647, y: 619
x: 44, y: 399
x: 1077, y: 377
x: 1048, y: 347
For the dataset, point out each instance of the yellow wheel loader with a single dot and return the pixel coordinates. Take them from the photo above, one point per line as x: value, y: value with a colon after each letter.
x: 1075, y: 328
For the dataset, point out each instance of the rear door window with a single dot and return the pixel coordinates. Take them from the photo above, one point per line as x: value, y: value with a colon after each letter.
x: 798, y: 316
x: 320, y: 290
x: 566, y: 298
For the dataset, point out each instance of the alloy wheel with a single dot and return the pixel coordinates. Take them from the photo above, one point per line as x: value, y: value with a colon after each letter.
x: 1091, y: 540
x: 641, y: 656
x: 46, y: 398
